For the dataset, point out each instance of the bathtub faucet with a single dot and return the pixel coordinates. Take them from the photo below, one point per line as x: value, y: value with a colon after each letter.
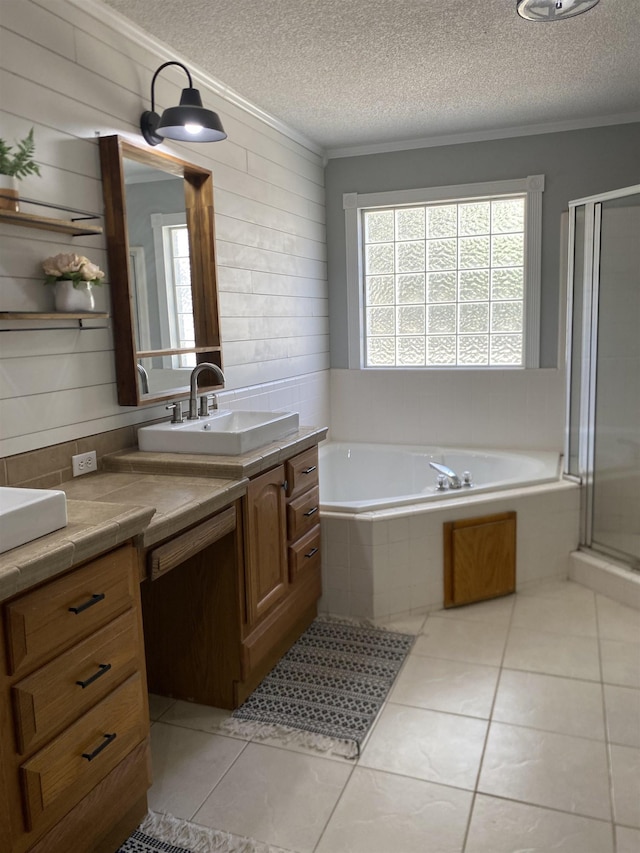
x: 452, y: 477
x: 197, y: 370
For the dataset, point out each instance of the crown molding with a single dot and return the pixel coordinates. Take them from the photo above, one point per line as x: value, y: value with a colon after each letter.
x: 119, y: 23
x: 482, y: 135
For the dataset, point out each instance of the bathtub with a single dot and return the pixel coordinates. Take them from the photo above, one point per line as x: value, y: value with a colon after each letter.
x: 363, y: 477
x: 382, y: 517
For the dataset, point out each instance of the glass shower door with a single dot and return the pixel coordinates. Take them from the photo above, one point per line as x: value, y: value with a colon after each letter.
x: 614, y: 507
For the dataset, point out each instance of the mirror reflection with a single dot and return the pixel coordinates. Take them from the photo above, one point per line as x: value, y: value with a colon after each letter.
x: 160, y: 240
x: 159, y: 262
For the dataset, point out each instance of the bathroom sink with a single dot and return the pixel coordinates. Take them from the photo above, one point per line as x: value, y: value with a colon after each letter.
x: 27, y: 514
x: 224, y: 433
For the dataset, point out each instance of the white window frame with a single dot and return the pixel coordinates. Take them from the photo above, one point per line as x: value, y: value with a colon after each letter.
x: 160, y: 222
x: 531, y: 187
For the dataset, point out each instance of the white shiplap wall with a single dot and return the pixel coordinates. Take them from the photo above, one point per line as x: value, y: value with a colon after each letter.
x: 75, y: 71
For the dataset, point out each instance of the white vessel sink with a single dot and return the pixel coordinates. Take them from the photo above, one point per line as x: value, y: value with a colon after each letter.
x: 223, y: 433
x: 27, y: 514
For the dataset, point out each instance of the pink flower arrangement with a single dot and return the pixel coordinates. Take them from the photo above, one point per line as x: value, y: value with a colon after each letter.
x: 75, y: 268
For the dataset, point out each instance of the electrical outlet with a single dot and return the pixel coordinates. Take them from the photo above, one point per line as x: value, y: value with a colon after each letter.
x: 83, y: 463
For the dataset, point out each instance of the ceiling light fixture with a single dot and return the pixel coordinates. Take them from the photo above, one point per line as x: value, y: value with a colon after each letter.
x: 553, y: 10
x: 188, y: 122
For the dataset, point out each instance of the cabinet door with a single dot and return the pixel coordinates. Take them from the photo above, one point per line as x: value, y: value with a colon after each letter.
x: 266, y: 547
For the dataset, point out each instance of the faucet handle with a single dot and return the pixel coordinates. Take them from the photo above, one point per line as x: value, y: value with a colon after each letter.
x: 204, y: 406
x: 176, y: 412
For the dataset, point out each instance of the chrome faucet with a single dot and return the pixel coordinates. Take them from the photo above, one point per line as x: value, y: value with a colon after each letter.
x: 452, y: 477
x: 193, y: 395
x: 144, y: 378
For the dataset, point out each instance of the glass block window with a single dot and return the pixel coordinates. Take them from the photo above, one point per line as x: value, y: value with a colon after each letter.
x: 444, y: 284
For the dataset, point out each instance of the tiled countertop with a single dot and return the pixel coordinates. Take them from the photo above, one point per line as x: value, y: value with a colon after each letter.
x: 179, y: 501
x: 93, y: 527
x: 148, y: 497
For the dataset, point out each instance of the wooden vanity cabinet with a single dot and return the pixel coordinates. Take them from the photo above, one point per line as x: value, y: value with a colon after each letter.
x: 218, y: 616
x: 281, y: 564
x: 73, y: 711
x: 266, y: 575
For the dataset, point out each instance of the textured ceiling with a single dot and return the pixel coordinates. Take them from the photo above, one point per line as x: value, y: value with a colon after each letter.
x: 360, y: 72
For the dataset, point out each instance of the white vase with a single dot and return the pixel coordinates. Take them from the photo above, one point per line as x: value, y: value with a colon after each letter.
x: 73, y: 300
x: 9, y: 193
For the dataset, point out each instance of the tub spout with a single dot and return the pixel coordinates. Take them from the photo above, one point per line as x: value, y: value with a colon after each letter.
x: 454, y: 480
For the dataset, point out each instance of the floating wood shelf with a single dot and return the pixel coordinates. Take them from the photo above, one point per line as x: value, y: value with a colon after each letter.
x: 53, y: 315
x: 46, y: 223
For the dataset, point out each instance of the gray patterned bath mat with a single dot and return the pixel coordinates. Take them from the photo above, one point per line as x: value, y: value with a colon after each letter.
x: 331, y: 683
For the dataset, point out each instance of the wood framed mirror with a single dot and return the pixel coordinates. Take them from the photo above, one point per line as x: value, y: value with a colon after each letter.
x: 159, y: 224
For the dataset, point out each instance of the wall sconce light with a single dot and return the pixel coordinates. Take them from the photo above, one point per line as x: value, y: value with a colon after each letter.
x: 552, y: 10
x: 188, y: 122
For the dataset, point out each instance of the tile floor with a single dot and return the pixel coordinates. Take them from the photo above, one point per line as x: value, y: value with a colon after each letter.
x: 514, y: 725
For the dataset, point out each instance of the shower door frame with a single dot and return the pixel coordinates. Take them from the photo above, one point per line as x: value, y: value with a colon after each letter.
x: 589, y: 354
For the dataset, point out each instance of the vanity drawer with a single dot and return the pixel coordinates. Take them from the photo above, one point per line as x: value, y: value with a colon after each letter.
x: 58, y: 693
x: 65, y: 611
x: 303, y: 513
x: 64, y: 771
x: 304, y: 554
x: 301, y: 472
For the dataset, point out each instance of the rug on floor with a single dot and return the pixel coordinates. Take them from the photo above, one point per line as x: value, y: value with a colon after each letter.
x: 164, y: 833
x: 330, y: 685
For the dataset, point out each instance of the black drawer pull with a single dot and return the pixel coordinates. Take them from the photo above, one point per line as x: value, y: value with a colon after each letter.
x: 311, y: 553
x: 309, y: 470
x: 93, y: 600
x: 105, y: 743
x: 311, y: 511
x: 102, y: 668
x: 285, y: 485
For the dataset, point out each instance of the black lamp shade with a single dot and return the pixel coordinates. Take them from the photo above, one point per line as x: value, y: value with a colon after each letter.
x: 188, y: 122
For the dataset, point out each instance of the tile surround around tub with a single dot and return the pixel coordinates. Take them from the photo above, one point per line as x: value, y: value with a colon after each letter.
x: 520, y: 409
x: 382, y: 564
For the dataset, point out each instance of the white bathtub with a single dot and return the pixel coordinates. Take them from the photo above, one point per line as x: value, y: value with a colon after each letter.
x: 364, y: 477
x: 382, y: 518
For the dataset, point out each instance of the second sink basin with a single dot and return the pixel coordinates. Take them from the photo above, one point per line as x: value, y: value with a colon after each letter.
x: 27, y: 514
x: 224, y: 433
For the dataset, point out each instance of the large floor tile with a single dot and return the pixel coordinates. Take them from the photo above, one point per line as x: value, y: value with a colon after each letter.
x: 158, y: 705
x: 559, y: 616
x: 276, y: 796
x: 550, y: 702
x: 460, y: 639
x: 502, y: 826
x: 380, y: 813
x: 623, y: 715
x: 443, y: 748
x: 560, y: 590
x: 625, y: 774
x: 620, y: 663
x: 409, y: 624
x: 186, y: 767
x: 617, y: 622
x: 628, y: 840
x: 446, y: 685
x: 546, y: 769
x: 553, y: 654
x: 204, y: 718
x: 497, y: 611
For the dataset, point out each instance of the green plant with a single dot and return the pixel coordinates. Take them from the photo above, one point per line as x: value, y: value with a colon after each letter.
x: 20, y: 164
